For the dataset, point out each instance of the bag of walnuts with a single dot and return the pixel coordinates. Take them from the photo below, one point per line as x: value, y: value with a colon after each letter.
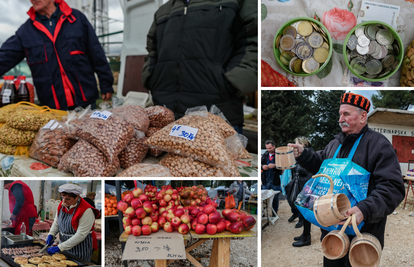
x: 51, y: 143
x: 85, y: 160
x: 135, y: 151
x: 135, y: 115
x: 152, y: 151
x: 187, y: 167
x: 106, y: 131
x: 193, y: 136
x: 145, y: 170
x: 31, y: 120
x: 159, y: 116
x: 15, y: 137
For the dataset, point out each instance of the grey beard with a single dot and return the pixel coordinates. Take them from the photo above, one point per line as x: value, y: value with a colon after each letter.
x: 342, y: 124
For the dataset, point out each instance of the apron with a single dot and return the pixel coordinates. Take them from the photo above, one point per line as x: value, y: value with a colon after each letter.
x: 349, y: 179
x: 83, y: 250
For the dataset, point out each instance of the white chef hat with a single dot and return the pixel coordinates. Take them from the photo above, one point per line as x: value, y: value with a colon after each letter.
x: 70, y: 188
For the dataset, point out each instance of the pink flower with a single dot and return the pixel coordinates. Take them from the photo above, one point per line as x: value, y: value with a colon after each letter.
x: 339, y: 22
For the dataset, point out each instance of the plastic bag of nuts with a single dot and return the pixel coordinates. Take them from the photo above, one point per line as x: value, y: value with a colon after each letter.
x: 145, y: 170
x: 15, y: 137
x: 192, y: 136
x: 108, y: 132
x: 135, y: 115
x: 187, y: 167
x: 30, y: 120
x: 85, y: 160
x: 135, y: 151
x: 160, y: 116
x: 6, y: 111
x: 218, y: 118
x: 51, y: 143
x: 7, y: 149
x: 152, y: 151
x: 236, y: 146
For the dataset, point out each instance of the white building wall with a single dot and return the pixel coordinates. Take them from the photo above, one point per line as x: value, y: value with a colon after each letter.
x: 388, y: 131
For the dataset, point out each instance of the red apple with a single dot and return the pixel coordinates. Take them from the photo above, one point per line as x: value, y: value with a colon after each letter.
x: 242, y: 215
x: 154, y: 206
x: 175, y: 221
x: 236, y: 227
x: 221, y: 226
x: 234, y: 217
x: 126, y: 221
x: 130, y: 212
x: 122, y: 205
x: 168, y: 227
x: 202, y: 218
x: 171, y: 203
x: 167, y: 198
x: 140, y: 212
x: 193, y: 203
x: 170, y: 216
x: 163, y: 203
x: 208, y: 209
x: 169, y: 192
x: 226, y: 213
x: 128, y: 229
x: 203, y: 198
x: 214, y: 217
x: 159, y: 196
x: 161, y: 221
x: 179, y: 212
x: 194, y: 223
x: 143, y: 198
x: 194, y: 212
x: 128, y: 198
x: 200, y: 229
x: 180, y: 207
x: 136, y: 203
x: 227, y: 225
x: 183, y: 229
x: 211, y: 229
x: 146, y: 230
x: 154, y: 217
x: 137, y: 192
x: 136, y: 230
x: 248, y: 221
x: 198, y: 201
x: 147, y: 207
x: 136, y: 221
x: 146, y: 221
x: 162, y: 209
x: 174, y: 196
x: 185, y: 218
x: 154, y: 227
x: 164, y: 214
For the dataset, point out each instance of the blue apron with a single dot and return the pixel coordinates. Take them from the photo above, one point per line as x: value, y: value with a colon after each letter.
x: 349, y: 179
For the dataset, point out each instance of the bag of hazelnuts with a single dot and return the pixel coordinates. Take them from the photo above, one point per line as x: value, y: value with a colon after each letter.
x: 152, y: 151
x: 159, y: 116
x: 135, y: 115
x: 145, y: 170
x: 135, y: 151
x: 236, y: 146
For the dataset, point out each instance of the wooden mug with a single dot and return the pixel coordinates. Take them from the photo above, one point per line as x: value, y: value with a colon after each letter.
x: 330, y: 209
x: 284, y: 158
x: 365, y: 249
x: 335, y: 244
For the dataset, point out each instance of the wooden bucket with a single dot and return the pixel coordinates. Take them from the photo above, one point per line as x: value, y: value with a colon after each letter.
x: 365, y: 249
x: 335, y: 244
x: 330, y: 209
x: 285, y: 158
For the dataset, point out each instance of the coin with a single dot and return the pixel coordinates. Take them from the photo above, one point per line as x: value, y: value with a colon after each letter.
x: 371, y: 31
x: 384, y: 37
x: 354, y: 54
x: 396, y: 49
x: 363, y: 41
x: 359, y: 31
x: 321, y: 54
x: 362, y: 50
x: 305, y: 28
x: 287, y: 42
x: 373, y: 67
x: 286, y: 57
x: 373, y: 47
x: 395, y: 65
x: 304, y: 51
x: 325, y: 45
x: 359, y: 67
x: 291, y: 63
x: 315, y: 27
x: 297, y: 66
x: 290, y: 31
x: 298, y: 40
x: 385, y: 72
x: 277, y: 43
x: 310, y: 65
x: 388, y: 61
x: 352, y: 42
x: 315, y: 40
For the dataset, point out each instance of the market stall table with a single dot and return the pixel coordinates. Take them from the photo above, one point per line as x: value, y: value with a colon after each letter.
x: 220, y: 255
x: 267, y: 199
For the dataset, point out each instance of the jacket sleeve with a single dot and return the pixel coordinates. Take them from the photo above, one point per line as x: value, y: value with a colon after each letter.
x: 151, y: 59
x: 98, y: 59
x: 241, y: 71
x: 389, y: 185
x: 311, y: 160
x: 11, y: 53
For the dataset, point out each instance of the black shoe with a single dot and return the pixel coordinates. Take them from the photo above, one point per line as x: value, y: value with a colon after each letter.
x: 292, y: 218
x: 298, y: 237
x: 305, y: 241
x: 299, y: 224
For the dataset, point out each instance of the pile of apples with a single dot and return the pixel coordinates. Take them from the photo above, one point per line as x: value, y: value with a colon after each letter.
x: 193, y: 195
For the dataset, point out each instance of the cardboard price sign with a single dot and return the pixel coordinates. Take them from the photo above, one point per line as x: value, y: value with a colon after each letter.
x: 156, y: 246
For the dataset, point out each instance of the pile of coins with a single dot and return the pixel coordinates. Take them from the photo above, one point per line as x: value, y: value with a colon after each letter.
x: 372, y: 51
x: 303, y: 46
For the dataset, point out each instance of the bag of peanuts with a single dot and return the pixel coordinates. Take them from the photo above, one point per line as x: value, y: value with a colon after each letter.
x: 51, y: 143
x: 106, y: 131
x: 145, y: 170
x: 236, y: 144
x: 31, y: 120
x: 85, y: 160
x: 71, y: 121
x: 193, y: 136
x: 15, y: 137
x: 159, y: 116
x: 187, y: 167
x: 152, y: 151
x: 135, y: 151
x: 135, y: 115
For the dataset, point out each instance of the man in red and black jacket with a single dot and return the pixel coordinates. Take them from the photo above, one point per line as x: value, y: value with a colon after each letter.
x: 21, y: 204
x: 63, y: 53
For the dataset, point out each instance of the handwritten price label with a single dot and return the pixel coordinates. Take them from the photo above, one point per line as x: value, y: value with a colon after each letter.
x: 185, y: 132
x: 103, y: 115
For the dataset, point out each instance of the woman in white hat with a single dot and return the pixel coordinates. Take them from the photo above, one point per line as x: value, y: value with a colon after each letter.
x: 75, y: 220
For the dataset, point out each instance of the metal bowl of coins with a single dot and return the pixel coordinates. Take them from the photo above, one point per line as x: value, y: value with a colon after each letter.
x: 302, y: 46
x: 373, y: 51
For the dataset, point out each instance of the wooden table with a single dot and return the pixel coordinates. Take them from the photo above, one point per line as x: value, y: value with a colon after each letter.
x: 220, y: 254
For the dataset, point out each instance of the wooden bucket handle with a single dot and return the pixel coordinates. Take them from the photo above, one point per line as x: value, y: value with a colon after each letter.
x: 345, y: 226
x: 330, y: 191
x: 355, y: 226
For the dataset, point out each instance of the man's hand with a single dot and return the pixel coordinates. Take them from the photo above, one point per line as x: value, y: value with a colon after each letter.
x: 13, y: 217
x: 358, y: 213
x: 271, y: 165
x: 265, y: 167
x: 297, y: 149
x: 49, y: 240
x: 106, y: 96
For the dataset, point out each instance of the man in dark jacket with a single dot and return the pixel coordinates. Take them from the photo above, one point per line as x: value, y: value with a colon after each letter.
x: 375, y: 154
x: 203, y: 52
x: 63, y: 53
